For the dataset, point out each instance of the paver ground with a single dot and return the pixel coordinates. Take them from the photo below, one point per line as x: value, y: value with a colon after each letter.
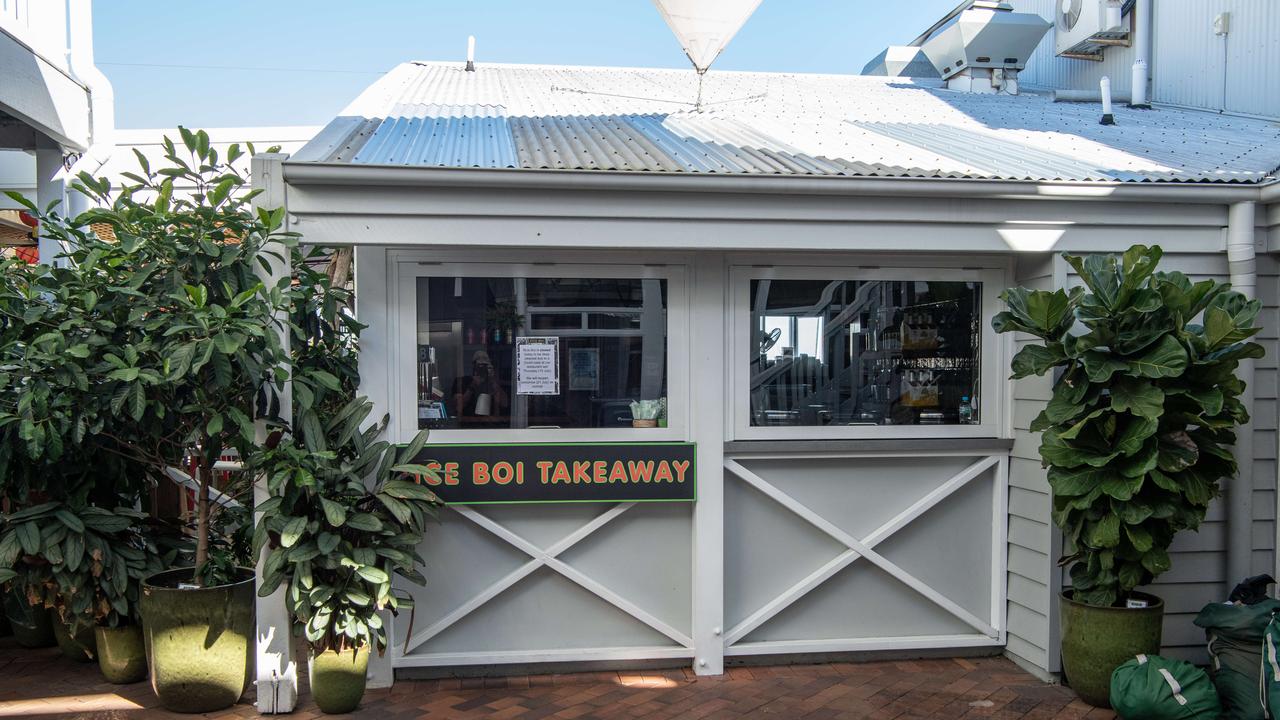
x: 41, y: 683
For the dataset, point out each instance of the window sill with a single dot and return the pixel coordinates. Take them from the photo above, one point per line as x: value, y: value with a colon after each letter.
x: 976, y: 446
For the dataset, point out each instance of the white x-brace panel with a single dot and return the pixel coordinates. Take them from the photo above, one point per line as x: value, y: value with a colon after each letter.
x: 988, y: 630
x: 538, y: 558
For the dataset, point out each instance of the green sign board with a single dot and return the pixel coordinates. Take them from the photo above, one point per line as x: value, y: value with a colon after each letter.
x: 476, y: 474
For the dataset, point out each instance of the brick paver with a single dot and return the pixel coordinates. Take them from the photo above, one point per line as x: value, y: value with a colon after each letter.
x: 41, y: 683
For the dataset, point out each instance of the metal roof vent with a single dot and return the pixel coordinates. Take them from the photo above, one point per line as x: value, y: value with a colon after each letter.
x: 982, y: 48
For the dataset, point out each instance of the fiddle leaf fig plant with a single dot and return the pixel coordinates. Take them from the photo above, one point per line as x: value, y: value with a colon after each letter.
x: 1144, y: 410
x: 343, y: 518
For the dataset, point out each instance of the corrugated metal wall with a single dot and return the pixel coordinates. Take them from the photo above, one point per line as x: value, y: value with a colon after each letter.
x: 1238, y: 72
x: 1191, y: 66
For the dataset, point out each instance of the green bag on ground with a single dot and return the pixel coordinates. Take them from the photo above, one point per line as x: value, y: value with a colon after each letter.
x: 1271, y: 665
x: 1150, y: 687
x: 1235, y: 634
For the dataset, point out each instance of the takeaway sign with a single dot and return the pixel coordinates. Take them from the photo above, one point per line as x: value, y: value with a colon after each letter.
x: 470, y: 474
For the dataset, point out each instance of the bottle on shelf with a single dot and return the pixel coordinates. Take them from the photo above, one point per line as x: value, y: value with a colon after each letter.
x: 966, y: 411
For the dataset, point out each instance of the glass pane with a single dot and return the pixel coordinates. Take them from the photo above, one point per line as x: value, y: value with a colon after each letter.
x: 865, y: 352
x: 600, y: 343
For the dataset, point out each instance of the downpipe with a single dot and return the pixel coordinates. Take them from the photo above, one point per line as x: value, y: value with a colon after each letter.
x: 1243, y: 268
x: 102, y: 111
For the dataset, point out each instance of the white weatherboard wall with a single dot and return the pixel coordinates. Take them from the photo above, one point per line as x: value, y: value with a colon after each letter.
x: 1198, y: 558
x: 1190, y: 66
x: 1031, y: 538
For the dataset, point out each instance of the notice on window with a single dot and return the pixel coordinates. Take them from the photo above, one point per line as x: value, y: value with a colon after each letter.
x: 584, y: 369
x: 537, y: 366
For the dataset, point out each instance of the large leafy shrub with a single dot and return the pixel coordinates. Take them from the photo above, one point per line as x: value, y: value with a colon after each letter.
x: 1144, y: 409
x: 163, y: 341
x: 344, y: 517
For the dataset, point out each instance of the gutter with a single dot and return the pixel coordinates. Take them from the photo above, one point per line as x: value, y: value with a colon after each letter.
x: 1201, y: 193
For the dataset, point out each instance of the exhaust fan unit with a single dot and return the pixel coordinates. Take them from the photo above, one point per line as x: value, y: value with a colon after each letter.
x: 1084, y: 28
x: 983, y: 48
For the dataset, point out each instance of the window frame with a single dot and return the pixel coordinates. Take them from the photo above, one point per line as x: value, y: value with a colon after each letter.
x: 990, y: 354
x: 403, y: 344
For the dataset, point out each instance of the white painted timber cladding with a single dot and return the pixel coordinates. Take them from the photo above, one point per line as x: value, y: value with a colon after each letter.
x: 1030, y: 535
x: 1190, y: 66
x: 1198, y: 558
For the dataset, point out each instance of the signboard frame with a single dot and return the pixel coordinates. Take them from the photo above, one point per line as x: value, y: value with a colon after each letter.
x: 687, y: 450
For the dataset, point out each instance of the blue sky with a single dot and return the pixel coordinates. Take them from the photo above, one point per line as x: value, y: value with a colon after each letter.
x: 157, y: 52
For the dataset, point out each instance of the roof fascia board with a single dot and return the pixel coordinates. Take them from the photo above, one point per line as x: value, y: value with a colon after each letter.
x: 603, y: 205
x: 43, y: 96
x: 585, y: 180
x: 640, y: 235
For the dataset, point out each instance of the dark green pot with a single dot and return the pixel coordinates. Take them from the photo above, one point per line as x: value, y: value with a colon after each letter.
x: 337, y: 679
x: 1096, y: 640
x: 122, y: 654
x: 80, y: 646
x: 199, y: 643
x: 32, y: 626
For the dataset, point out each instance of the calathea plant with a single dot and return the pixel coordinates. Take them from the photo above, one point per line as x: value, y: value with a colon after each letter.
x: 1144, y: 409
x: 345, y: 515
x: 85, y: 562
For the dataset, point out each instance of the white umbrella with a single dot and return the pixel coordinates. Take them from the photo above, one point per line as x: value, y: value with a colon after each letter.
x: 705, y: 27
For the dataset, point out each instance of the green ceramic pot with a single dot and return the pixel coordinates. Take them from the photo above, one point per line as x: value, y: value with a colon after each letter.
x: 122, y: 655
x: 337, y: 679
x: 79, y: 646
x: 32, y: 626
x: 199, y: 643
x: 1096, y: 640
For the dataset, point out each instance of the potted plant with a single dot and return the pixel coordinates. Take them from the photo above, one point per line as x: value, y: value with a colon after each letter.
x: 29, y: 620
x: 1136, y: 436
x: 505, y: 318
x: 344, y: 518
x: 89, y: 562
x: 645, y: 413
x: 178, y: 347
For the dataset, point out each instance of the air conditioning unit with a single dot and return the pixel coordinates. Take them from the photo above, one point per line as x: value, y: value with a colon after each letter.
x: 1084, y: 28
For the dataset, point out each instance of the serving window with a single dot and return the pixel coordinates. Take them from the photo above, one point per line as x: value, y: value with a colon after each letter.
x: 864, y: 353
x: 531, y: 352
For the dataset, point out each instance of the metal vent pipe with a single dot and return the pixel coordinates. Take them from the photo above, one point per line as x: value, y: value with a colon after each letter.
x: 1141, y: 55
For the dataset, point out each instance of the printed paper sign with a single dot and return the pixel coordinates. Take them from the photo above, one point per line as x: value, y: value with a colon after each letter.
x: 537, y: 366
x: 584, y: 369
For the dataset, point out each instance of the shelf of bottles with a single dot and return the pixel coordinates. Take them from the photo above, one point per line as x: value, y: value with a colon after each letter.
x: 917, y: 361
x: 866, y: 352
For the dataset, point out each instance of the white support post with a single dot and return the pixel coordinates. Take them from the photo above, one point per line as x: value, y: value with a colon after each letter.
x: 373, y: 308
x: 50, y: 187
x: 277, y: 671
x: 708, y: 371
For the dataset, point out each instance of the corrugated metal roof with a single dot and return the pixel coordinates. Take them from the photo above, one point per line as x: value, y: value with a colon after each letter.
x: 644, y: 120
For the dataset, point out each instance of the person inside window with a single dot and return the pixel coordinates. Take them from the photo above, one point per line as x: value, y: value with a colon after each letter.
x: 480, y: 395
